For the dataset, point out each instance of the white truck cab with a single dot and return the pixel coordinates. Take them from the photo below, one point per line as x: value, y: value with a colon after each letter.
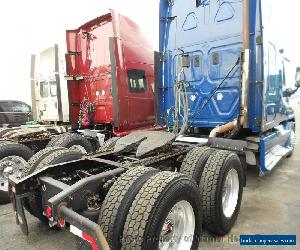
x: 50, y: 100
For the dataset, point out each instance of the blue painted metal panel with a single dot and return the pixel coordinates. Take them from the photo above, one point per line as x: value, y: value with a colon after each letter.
x: 211, y: 35
x: 256, y: 67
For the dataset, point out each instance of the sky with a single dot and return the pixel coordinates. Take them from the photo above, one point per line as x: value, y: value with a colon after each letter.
x: 28, y: 27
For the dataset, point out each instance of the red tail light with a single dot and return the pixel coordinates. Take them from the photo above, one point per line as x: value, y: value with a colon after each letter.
x: 62, y: 223
x: 48, y: 212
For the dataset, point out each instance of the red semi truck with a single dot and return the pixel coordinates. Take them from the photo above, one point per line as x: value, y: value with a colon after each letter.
x: 110, y: 69
x: 110, y: 91
x: 108, y: 84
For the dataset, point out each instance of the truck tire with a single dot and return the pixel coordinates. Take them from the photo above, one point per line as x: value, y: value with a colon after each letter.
x: 222, y: 191
x: 15, y: 149
x: 52, y: 142
x: 152, y: 215
x: 61, y: 156
x: 68, y: 140
x: 109, y: 145
x: 79, y: 149
x: 118, y: 201
x: 194, y: 162
x: 4, y: 131
x: 10, y: 165
x: 6, y: 142
x: 33, y: 203
x: 37, y: 158
x: 11, y: 149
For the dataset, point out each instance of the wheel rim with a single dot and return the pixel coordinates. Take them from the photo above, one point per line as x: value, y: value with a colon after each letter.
x: 230, y: 193
x: 178, y: 228
x: 11, y: 165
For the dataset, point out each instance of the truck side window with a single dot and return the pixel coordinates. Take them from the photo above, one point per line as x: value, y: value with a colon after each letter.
x: 273, y: 76
x: 53, y: 88
x: 197, y: 61
x: 215, y: 58
x: 136, y: 80
x: 44, y: 89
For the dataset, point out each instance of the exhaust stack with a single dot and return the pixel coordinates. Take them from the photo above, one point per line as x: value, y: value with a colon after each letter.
x: 245, y: 65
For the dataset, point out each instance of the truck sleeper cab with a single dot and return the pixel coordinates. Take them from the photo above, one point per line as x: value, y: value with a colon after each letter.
x: 50, y: 100
x: 228, y: 74
x: 110, y: 72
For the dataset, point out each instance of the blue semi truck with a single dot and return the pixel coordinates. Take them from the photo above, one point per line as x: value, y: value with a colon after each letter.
x: 222, y: 95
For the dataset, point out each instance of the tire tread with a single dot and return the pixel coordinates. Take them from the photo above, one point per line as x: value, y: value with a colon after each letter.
x: 142, y: 206
x: 195, y: 159
x: 208, y: 185
x: 120, y: 196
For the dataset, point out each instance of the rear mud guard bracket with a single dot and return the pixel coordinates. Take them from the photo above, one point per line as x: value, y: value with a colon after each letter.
x: 19, y: 213
x: 85, y: 229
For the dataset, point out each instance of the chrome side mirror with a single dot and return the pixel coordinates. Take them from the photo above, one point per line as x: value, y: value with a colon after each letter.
x: 297, y: 77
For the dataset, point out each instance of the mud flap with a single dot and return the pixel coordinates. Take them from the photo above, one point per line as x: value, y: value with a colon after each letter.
x: 20, y: 214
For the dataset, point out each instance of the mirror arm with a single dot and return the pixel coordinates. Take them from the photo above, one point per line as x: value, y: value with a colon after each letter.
x: 290, y: 92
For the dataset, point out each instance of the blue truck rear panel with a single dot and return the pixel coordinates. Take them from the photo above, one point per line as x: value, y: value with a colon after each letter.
x: 210, y: 34
x: 202, y: 33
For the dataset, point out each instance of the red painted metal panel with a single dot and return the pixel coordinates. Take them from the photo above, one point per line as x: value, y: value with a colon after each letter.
x: 133, y: 52
x: 89, y: 63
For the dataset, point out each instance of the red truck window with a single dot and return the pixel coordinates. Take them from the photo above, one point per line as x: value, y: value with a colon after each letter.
x: 136, y: 80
